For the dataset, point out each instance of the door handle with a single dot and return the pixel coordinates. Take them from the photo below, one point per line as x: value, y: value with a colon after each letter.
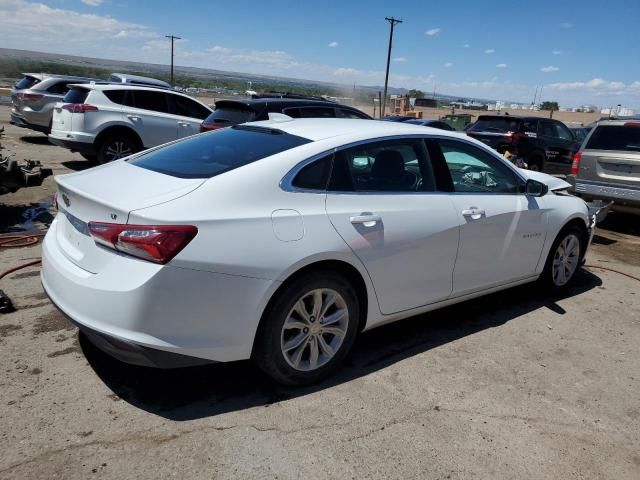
x: 183, y: 124
x: 474, y: 212
x: 366, y: 220
x: 133, y: 117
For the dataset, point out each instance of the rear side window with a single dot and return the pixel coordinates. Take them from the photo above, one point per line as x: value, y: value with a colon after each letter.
x: 205, y: 156
x: 76, y: 95
x: 60, y: 88
x: 186, y: 107
x: 615, y: 137
x: 315, y: 175
x: 147, y: 100
x: 311, y: 112
x: 495, y: 124
x: 26, y: 82
x: 116, y: 96
x: 346, y: 113
x: 229, y: 116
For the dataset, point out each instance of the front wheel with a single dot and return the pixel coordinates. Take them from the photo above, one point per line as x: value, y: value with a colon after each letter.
x: 308, y: 330
x: 564, y: 258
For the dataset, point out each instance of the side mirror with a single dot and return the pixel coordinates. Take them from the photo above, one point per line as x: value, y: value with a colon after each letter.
x: 534, y: 188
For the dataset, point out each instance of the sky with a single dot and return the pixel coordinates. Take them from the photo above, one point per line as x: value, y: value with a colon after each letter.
x: 578, y: 52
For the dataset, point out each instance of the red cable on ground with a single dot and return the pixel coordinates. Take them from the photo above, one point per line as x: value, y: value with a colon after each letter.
x: 611, y: 270
x: 19, y: 267
x: 17, y: 241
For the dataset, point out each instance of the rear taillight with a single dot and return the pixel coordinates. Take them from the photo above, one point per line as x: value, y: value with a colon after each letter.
x: 30, y: 97
x: 632, y: 124
x: 575, y: 165
x: 79, y: 107
x: 208, y: 128
x: 155, y: 243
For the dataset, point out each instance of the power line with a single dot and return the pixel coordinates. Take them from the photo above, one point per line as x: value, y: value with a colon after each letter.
x: 392, y: 21
x: 172, y: 37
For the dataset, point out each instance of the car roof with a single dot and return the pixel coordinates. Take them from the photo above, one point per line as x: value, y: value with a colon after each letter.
x: 121, y: 86
x: 288, y: 102
x: 316, y: 129
x: 619, y: 121
x: 513, y: 117
x: 44, y: 76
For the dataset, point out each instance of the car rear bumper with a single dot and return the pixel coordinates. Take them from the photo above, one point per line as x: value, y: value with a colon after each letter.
x: 20, y: 121
x: 624, y: 198
x: 73, y: 144
x: 139, y: 311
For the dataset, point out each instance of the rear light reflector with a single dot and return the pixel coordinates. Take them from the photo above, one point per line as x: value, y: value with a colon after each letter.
x: 154, y: 243
x: 575, y: 164
x: 208, y: 128
x: 79, y: 107
x: 30, y: 96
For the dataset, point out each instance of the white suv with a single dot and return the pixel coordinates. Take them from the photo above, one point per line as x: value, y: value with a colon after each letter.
x: 105, y: 122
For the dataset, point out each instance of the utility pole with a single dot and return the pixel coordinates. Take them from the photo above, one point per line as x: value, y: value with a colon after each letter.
x: 393, y: 22
x: 172, y: 37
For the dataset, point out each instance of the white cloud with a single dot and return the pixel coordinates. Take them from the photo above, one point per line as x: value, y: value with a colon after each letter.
x: 566, y: 25
x: 400, y: 59
x: 466, y: 45
x: 346, y: 72
x: 448, y: 65
x: 93, y: 3
x: 489, y: 51
x: 556, y: 52
x: 501, y: 65
x: 549, y: 68
x: 432, y: 31
x: 333, y: 44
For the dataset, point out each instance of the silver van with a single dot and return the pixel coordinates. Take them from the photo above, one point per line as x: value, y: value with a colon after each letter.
x: 607, y: 167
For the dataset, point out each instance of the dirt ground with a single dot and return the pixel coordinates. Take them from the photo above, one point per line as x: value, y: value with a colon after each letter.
x: 515, y: 385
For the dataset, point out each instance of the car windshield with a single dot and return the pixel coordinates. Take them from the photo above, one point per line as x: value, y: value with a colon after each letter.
x: 225, y: 116
x: 615, y: 137
x: 494, y: 124
x: 211, y: 154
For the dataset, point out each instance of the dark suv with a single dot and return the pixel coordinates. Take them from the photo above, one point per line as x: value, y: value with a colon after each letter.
x: 543, y: 143
x: 233, y: 112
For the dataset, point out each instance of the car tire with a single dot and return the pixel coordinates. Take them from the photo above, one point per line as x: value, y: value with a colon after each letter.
x: 116, y: 146
x: 308, y: 329
x: 564, y: 259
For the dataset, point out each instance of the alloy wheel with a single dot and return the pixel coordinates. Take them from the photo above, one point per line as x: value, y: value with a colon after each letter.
x: 314, y: 329
x: 117, y: 149
x: 565, y: 260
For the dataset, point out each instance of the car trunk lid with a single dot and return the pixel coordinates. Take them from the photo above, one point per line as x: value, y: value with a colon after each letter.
x: 108, y: 194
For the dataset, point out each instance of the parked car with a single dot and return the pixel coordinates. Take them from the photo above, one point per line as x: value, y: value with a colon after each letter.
x: 110, y: 121
x: 164, y: 259
x: 580, y: 132
x: 430, y: 123
x: 607, y: 167
x: 397, y: 118
x: 138, y: 80
x: 543, y: 143
x: 34, y: 96
x: 234, y: 112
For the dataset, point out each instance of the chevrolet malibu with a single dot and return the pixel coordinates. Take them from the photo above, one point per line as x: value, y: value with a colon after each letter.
x: 281, y: 240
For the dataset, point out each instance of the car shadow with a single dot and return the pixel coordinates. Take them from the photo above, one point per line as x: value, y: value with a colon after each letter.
x: 198, y: 392
x: 78, y: 165
x: 37, y: 140
x: 26, y: 217
x: 621, y: 222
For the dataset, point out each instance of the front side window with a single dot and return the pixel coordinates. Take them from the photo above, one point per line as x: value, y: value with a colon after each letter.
x: 346, y: 113
x: 562, y: 132
x: 205, y: 156
x: 186, y: 107
x: 475, y: 171
x: 386, y: 166
x: 546, y: 129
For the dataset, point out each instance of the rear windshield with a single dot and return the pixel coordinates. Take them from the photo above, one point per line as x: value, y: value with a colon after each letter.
x: 76, y: 95
x: 495, y: 124
x: 210, y: 154
x: 26, y: 82
x: 229, y: 116
x: 615, y: 137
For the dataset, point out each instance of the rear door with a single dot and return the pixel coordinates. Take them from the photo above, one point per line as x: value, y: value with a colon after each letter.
x: 502, y: 231
x: 383, y: 200
x: 62, y: 119
x: 188, y: 114
x: 147, y: 113
x: 612, y: 155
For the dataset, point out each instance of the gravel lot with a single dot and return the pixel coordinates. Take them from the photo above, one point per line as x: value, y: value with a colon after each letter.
x: 515, y: 385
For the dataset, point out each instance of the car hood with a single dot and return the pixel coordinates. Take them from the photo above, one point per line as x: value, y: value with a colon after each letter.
x: 554, y: 183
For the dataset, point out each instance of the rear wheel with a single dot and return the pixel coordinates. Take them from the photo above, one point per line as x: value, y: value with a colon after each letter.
x: 114, y: 147
x: 564, y: 258
x: 308, y: 330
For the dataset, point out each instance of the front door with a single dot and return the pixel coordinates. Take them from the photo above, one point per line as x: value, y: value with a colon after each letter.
x: 383, y: 201
x: 502, y: 230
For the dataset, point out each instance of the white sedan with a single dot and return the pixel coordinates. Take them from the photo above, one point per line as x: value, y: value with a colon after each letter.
x: 280, y: 241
